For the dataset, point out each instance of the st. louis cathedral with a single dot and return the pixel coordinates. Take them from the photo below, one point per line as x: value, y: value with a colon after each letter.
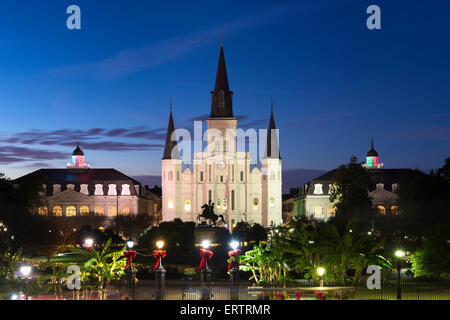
x: 221, y: 175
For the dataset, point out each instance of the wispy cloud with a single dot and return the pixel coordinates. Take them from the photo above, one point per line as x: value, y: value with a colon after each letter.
x: 133, y: 60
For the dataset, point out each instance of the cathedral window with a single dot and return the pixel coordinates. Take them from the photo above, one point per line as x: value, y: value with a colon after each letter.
x: 187, y: 205
x: 170, y: 175
x: 84, y: 210
x: 242, y: 175
x: 99, y: 211
x: 318, y: 211
x: 331, y: 211
x: 218, y: 203
x: 221, y: 178
x: 125, y: 211
x: 255, y: 203
x: 272, y: 202
x: 201, y: 176
x: 170, y: 203
x: 224, y: 203
x: 57, y: 211
x: 232, y: 199
x: 318, y: 188
x: 178, y: 175
x: 209, y: 196
x: 43, y: 211
x: 209, y: 172
x: 395, y: 210
x: 71, y: 211
x: 112, y: 211
x: 381, y: 210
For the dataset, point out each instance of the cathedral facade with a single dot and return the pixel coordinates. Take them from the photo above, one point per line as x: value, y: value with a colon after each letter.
x: 221, y: 175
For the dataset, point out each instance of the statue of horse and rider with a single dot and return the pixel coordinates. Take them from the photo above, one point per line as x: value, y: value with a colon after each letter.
x: 208, y: 214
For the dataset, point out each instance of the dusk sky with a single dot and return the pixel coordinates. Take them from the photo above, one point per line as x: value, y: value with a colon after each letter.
x: 334, y: 83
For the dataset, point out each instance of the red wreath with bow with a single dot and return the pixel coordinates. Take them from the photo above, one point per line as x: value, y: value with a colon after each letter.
x: 234, y: 258
x: 129, y: 254
x: 157, y: 254
x: 206, y: 255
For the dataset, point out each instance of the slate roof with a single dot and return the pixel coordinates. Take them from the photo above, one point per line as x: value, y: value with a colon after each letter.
x: 386, y: 176
x: 91, y: 177
x: 222, y: 85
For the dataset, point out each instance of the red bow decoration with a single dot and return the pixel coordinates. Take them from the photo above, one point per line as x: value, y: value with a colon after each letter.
x: 205, y: 254
x: 157, y: 254
x: 319, y: 294
x: 299, y: 295
x: 129, y: 254
x: 234, y: 253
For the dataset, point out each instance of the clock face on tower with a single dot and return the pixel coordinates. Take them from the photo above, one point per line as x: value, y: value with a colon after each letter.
x: 221, y: 164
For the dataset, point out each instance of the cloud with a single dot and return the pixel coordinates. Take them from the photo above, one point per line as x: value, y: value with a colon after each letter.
x: 12, y: 154
x: 129, y: 61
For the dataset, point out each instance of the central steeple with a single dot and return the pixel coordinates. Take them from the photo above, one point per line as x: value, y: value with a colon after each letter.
x: 221, y: 97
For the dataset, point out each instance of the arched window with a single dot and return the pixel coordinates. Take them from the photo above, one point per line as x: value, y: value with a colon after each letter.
x: 71, y: 211
x: 272, y: 202
x: 57, y: 211
x: 218, y: 203
x: 112, y: 211
x: 99, y: 211
x: 395, y: 210
x: 170, y: 175
x: 242, y: 175
x: 318, y: 188
x: 255, y: 203
x: 125, y: 211
x: 224, y: 203
x: 187, y: 204
x: 43, y: 211
x: 318, y: 211
x: 178, y: 175
x: 170, y: 203
x: 381, y: 210
x: 331, y: 211
x: 84, y: 210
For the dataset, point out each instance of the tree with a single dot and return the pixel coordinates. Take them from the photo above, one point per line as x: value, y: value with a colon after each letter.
x: 350, y: 195
x: 249, y: 232
x: 132, y: 225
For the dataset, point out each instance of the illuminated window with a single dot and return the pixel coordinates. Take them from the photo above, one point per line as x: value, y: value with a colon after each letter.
x: 381, y: 210
x: 318, y: 211
x: 187, y: 204
x: 170, y: 203
x: 255, y: 203
x: 125, y: 211
x: 218, y: 203
x: 112, y: 211
x: 71, y: 211
x: 318, y: 188
x: 395, y: 210
x: 43, y: 211
x: 224, y: 203
x: 84, y: 211
x: 57, y: 211
x: 331, y: 211
x: 99, y: 211
x: 272, y: 202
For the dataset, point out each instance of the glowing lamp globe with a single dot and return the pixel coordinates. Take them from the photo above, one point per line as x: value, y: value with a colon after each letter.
x: 160, y: 244
x: 25, y: 270
x: 130, y: 243
x: 234, y: 245
x: 399, y: 253
x: 205, y: 244
x: 88, y: 243
x: 320, y: 271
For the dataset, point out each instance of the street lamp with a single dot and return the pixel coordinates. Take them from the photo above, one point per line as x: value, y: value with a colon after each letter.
x: 25, y: 270
x: 206, y: 255
x: 130, y: 243
x: 399, y: 254
x: 321, y: 272
x: 160, y: 277
x: 88, y: 243
x: 233, y: 265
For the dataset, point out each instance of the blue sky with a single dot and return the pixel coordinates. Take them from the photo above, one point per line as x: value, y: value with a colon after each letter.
x: 334, y: 83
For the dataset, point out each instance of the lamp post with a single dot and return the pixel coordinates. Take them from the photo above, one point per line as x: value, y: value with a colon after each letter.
x: 160, y: 272
x: 399, y: 254
x: 88, y: 243
x: 205, y: 270
x: 321, y: 272
x: 25, y: 270
x: 233, y: 269
x: 130, y: 254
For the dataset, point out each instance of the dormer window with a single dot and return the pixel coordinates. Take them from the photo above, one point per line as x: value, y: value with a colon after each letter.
x: 380, y: 186
x: 395, y: 187
x: 318, y: 188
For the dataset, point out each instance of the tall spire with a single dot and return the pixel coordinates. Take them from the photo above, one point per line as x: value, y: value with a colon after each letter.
x: 272, y: 151
x: 221, y: 97
x: 170, y: 144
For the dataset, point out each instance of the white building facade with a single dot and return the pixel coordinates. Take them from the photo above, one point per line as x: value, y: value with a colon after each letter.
x: 221, y: 175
